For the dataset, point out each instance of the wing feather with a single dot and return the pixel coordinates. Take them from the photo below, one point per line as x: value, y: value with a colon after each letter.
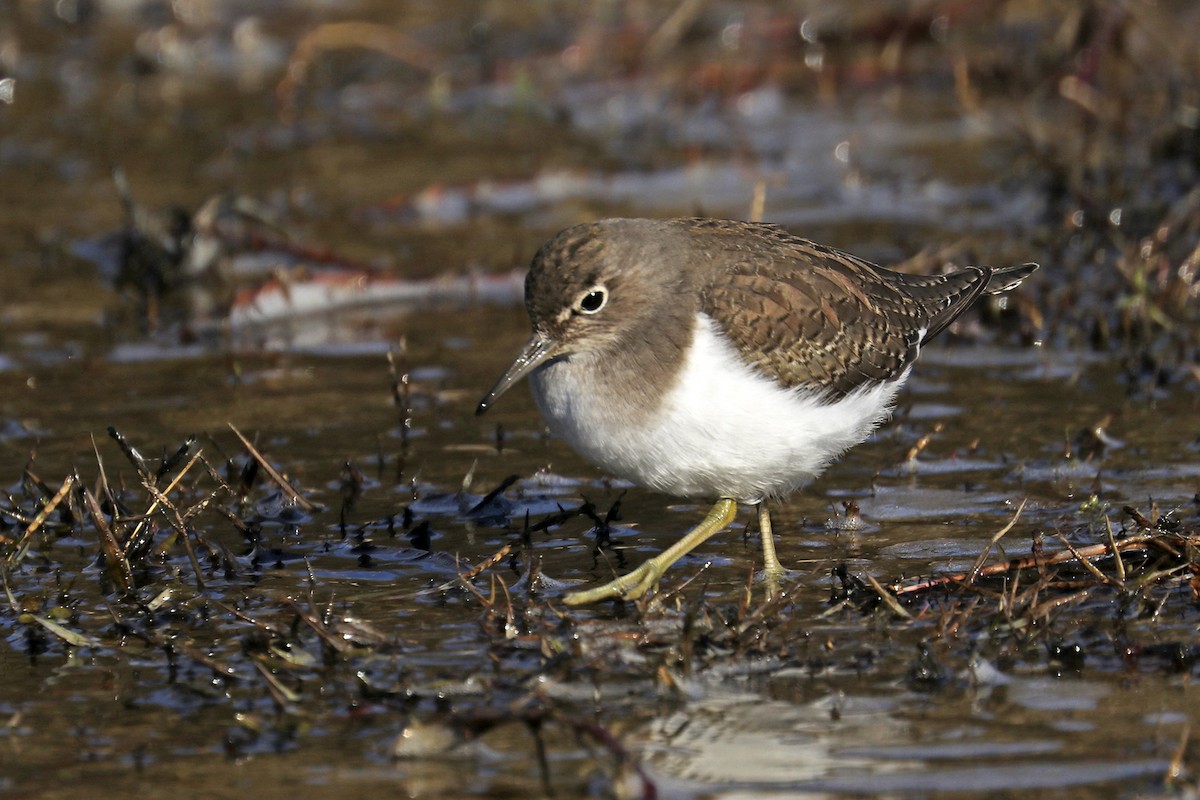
x: 814, y: 317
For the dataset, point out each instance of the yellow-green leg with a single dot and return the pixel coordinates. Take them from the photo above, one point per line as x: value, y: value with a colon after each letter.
x: 771, y: 565
x: 773, y: 571
x: 641, y: 580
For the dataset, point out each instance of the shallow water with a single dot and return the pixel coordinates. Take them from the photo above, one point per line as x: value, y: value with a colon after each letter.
x: 337, y: 651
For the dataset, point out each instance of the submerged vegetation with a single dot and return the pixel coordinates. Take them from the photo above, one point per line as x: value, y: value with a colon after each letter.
x: 170, y: 572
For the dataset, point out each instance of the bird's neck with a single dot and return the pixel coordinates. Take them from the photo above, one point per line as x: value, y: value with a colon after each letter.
x: 642, y: 364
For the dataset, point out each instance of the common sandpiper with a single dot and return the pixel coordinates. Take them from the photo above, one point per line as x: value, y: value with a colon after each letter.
x: 721, y: 359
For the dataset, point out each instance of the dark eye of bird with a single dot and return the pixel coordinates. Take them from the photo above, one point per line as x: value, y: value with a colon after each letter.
x: 593, y: 301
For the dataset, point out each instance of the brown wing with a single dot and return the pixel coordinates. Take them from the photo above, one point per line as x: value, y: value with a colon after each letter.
x: 815, y: 317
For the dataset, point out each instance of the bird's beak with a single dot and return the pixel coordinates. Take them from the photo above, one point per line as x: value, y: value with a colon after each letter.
x: 539, y: 349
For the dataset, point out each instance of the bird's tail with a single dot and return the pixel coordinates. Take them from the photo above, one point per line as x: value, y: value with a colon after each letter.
x: 1004, y: 278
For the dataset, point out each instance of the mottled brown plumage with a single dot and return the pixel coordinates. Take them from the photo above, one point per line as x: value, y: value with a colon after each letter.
x: 815, y: 317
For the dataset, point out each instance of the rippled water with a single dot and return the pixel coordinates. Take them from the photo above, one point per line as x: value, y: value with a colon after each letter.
x: 410, y: 205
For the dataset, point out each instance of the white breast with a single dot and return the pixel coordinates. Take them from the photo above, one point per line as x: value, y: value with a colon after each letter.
x: 722, y: 431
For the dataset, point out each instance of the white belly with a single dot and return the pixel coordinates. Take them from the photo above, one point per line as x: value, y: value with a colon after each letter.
x: 722, y: 430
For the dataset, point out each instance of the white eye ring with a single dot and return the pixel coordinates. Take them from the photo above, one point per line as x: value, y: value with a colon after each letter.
x: 592, y: 301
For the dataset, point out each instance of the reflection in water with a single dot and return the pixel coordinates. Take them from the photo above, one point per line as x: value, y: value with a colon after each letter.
x: 741, y: 745
x: 729, y: 738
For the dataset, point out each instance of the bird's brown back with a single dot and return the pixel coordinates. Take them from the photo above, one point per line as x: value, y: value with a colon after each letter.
x: 815, y: 317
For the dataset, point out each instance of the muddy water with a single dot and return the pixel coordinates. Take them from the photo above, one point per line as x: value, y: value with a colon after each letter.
x: 221, y: 689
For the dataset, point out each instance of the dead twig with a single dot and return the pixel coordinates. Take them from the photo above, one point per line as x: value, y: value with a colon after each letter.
x: 1138, y: 542
x: 979, y: 562
x: 272, y: 473
x: 114, y: 555
x: 888, y: 598
x: 23, y: 545
x: 345, y: 35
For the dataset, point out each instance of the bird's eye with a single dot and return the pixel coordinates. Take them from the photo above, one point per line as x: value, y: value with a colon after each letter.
x: 593, y: 300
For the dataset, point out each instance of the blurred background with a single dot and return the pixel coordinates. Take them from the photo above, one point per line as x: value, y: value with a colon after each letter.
x: 415, y: 140
x: 311, y: 220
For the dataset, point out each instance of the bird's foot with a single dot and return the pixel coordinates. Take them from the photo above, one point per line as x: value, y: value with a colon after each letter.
x: 774, y: 579
x: 643, y: 579
x: 630, y: 586
x: 773, y: 573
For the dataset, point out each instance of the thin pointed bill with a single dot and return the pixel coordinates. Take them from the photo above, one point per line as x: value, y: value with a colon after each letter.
x: 538, y: 350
